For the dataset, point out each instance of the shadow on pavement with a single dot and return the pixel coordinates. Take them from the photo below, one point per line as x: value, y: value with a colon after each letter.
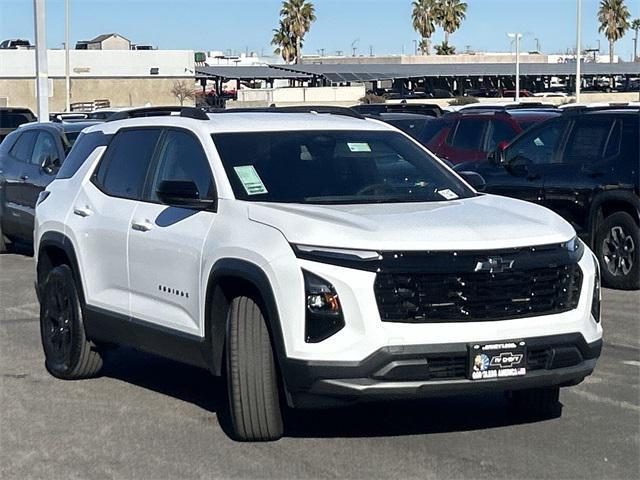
x: 435, y: 415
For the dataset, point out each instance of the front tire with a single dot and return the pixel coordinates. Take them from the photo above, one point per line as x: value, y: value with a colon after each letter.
x: 3, y: 242
x: 617, y: 243
x: 252, y: 376
x: 68, y: 353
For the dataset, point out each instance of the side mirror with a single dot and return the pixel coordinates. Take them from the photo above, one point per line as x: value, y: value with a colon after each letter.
x: 50, y: 165
x: 497, y: 156
x: 474, y: 179
x: 182, y: 193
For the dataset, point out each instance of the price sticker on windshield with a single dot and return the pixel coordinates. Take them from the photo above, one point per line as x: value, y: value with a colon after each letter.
x: 359, y: 147
x: 448, y: 194
x: 250, y: 180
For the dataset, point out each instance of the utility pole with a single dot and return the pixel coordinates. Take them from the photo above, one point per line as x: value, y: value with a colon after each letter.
x: 578, y: 48
x: 517, y: 37
x: 42, y: 75
x: 67, y: 81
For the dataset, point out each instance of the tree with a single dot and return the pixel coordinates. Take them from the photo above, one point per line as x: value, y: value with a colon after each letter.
x: 451, y: 13
x: 445, y: 49
x: 613, y: 16
x: 182, y: 91
x: 425, y: 17
x: 635, y: 26
x: 284, y: 42
x: 296, y: 17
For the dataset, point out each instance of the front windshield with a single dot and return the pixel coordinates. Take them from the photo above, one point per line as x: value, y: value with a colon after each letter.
x: 341, y: 167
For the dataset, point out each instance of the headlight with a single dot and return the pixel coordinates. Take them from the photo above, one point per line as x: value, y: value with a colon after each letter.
x: 597, y: 294
x: 575, y: 246
x: 323, y: 316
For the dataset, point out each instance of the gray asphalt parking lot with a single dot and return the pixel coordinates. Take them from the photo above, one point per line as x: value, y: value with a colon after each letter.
x: 151, y: 418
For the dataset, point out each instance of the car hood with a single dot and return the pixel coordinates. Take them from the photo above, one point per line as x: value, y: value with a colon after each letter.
x: 477, y: 223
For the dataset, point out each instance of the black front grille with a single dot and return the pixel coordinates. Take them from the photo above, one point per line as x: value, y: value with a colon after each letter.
x: 461, y: 295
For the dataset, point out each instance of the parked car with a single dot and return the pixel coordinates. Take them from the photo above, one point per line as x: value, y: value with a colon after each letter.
x: 29, y: 160
x: 584, y: 165
x: 312, y: 259
x: 428, y: 109
x: 12, y: 117
x: 470, y: 134
x: 410, y: 123
x: 16, y: 44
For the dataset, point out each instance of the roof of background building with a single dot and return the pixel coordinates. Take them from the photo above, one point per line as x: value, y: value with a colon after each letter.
x: 261, y: 72
x: 339, y: 73
x: 103, y: 37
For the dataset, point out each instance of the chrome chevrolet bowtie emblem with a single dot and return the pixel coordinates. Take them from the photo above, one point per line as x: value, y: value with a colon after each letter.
x: 494, y: 265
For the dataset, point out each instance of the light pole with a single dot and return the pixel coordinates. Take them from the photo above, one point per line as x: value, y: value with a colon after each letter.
x: 517, y: 37
x: 578, y: 48
x: 42, y: 76
x: 67, y: 81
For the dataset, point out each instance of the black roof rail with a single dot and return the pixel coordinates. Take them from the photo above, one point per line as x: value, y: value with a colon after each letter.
x: 188, y: 112
x: 430, y: 109
x: 516, y: 106
x: 323, y: 109
x: 577, y: 109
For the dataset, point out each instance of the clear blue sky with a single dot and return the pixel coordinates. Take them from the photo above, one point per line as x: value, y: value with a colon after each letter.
x: 238, y: 24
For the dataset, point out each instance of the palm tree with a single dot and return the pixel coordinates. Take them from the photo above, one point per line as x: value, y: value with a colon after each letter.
x: 635, y: 26
x: 298, y: 16
x: 613, y: 16
x: 451, y: 14
x: 284, y: 42
x: 425, y: 17
x: 445, y: 49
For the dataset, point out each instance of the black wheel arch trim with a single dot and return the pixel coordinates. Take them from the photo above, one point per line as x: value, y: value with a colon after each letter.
x: 62, y: 242
x: 623, y: 196
x: 216, y: 327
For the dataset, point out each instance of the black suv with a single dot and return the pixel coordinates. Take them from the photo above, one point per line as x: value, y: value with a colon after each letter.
x: 29, y: 160
x: 12, y: 117
x: 585, y: 166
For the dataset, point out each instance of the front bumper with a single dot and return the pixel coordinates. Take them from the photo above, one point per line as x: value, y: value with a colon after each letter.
x: 434, y: 370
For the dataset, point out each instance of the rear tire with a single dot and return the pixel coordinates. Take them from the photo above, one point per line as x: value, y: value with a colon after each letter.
x: 537, y: 401
x: 252, y: 376
x: 68, y: 353
x: 617, y: 246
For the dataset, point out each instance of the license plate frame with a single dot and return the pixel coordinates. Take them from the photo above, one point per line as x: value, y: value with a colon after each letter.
x: 497, y: 360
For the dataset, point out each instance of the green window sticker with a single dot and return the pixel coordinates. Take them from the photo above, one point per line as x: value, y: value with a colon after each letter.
x: 250, y: 179
x: 359, y: 147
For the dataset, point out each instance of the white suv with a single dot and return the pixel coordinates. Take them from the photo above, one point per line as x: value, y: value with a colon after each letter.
x: 313, y: 259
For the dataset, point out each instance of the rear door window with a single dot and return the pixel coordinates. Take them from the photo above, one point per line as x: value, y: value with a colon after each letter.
x: 468, y: 135
x: 123, y: 169
x: 587, y: 140
x: 23, y: 148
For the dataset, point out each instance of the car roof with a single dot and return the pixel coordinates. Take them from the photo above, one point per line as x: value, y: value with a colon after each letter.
x: 69, y: 127
x: 249, y: 122
x: 402, y: 116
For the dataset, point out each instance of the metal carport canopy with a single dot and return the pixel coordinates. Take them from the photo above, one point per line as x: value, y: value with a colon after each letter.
x: 338, y: 73
x: 261, y: 72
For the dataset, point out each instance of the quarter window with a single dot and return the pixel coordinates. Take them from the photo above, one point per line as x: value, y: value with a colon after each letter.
x: 123, y: 170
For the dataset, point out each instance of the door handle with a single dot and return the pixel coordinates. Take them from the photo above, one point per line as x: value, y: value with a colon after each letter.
x: 82, y: 212
x: 24, y: 178
x: 141, y: 226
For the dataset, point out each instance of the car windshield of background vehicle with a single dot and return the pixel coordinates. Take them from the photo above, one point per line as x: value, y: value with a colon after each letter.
x: 334, y: 167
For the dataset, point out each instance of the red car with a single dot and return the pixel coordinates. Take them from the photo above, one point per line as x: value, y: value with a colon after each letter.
x: 469, y: 135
